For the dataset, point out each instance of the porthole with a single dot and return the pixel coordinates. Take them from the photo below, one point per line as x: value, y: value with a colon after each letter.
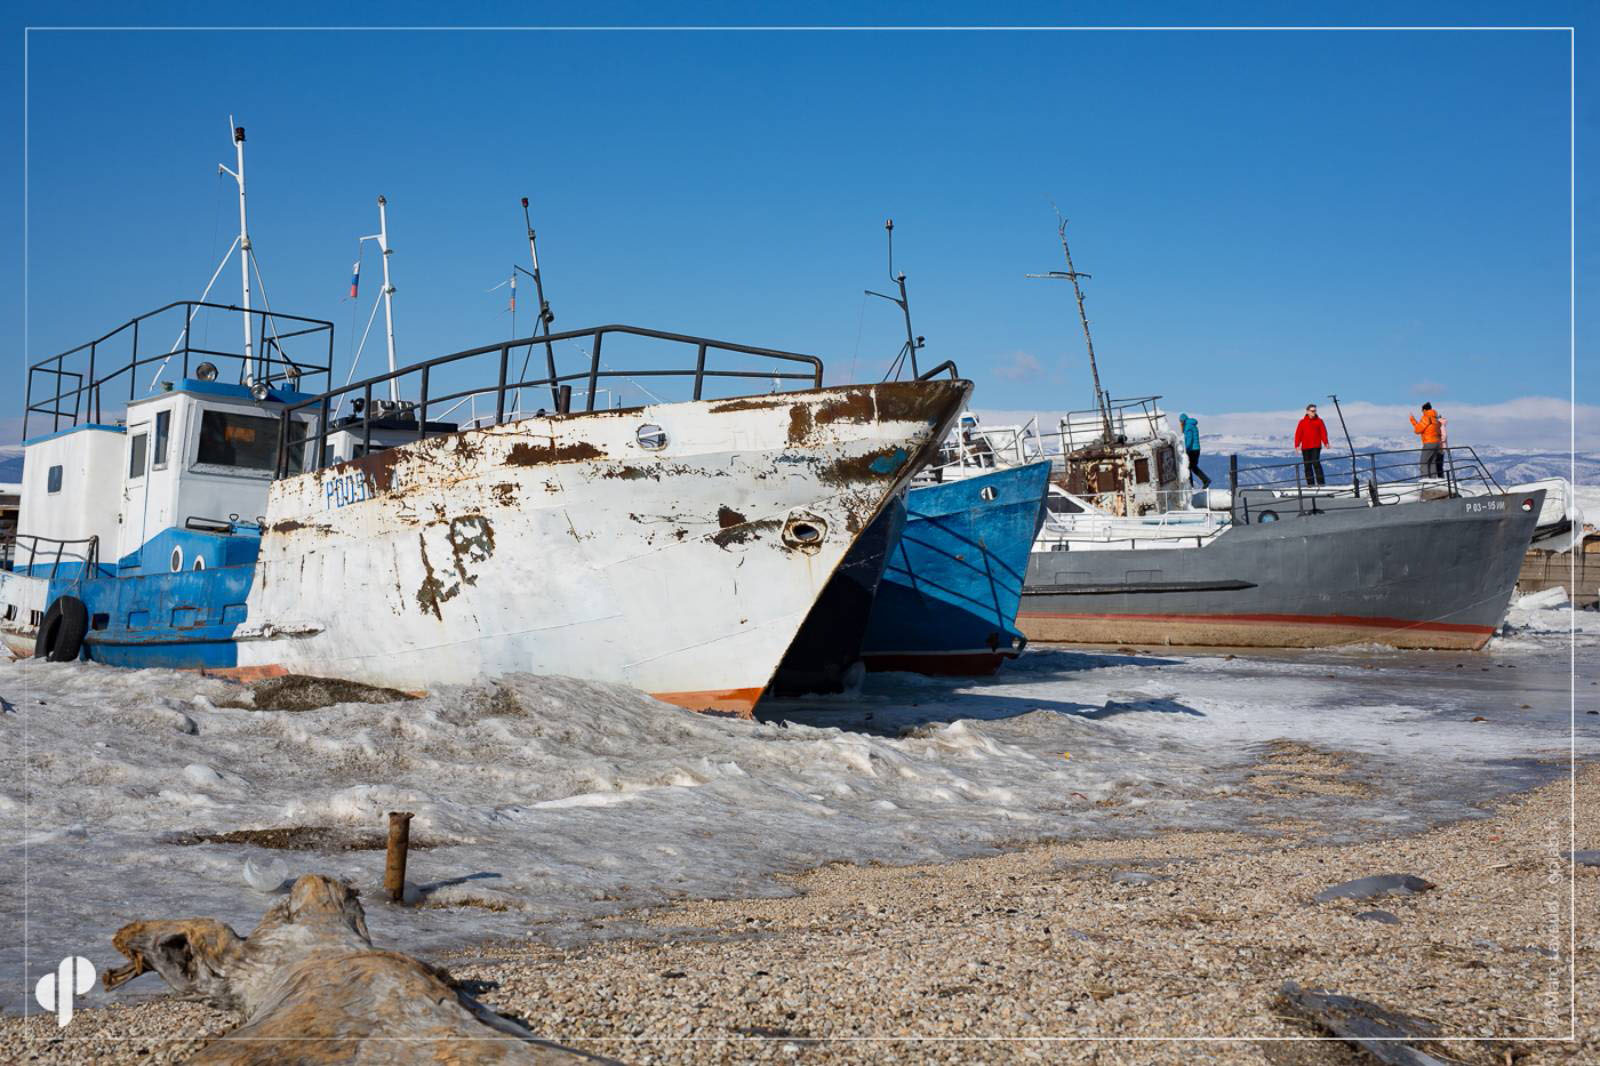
x: 987, y: 492
x: 651, y: 438
x: 199, y: 563
x: 177, y: 559
x: 805, y: 533
x: 1267, y: 516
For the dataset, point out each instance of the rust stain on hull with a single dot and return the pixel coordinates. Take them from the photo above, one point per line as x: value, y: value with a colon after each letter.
x: 885, y: 464
x: 856, y: 408
x: 471, y: 540
x: 801, y: 423
x: 526, y: 454
x: 744, y: 532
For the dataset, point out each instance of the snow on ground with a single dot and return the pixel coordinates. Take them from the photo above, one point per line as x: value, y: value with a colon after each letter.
x: 542, y: 803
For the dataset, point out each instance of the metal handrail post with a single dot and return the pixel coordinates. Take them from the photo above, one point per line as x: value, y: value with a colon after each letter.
x: 699, y: 371
x: 322, y: 438
x: 500, y: 389
x: 422, y: 407
x: 281, y: 467
x: 95, y: 417
x: 594, y: 372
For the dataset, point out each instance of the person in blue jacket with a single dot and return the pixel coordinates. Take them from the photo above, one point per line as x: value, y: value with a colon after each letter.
x: 1191, y: 444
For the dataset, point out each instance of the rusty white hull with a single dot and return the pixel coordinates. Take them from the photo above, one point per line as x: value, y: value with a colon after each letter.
x: 568, y: 546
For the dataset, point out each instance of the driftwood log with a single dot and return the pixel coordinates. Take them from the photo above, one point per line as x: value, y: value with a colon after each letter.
x: 313, y: 989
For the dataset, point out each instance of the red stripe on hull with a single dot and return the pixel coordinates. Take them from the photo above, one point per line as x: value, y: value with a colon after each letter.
x: 1250, y: 631
x: 1278, y: 619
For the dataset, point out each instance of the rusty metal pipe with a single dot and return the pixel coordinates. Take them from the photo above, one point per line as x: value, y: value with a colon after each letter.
x: 394, y: 866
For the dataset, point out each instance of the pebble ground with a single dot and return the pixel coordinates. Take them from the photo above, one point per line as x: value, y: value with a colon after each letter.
x: 1170, y: 949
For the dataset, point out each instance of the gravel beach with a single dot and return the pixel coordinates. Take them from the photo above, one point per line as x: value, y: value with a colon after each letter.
x: 1099, y: 952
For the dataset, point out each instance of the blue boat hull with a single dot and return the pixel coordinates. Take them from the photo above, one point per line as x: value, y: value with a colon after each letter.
x: 948, y: 600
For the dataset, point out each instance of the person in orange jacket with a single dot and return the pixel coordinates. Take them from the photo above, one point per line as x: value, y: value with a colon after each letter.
x: 1431, y: 429
x: 1311, y: 436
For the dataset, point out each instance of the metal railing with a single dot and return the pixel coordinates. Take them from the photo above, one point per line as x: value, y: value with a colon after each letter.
x: 1376, y: 478
x: 89, y: 556
x: 972, y: 448
x: 68, y: 388
x: 1132, y: 419
x: 508, y: 382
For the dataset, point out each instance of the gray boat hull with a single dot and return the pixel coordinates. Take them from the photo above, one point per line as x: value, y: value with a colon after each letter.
x: 1427, y: 574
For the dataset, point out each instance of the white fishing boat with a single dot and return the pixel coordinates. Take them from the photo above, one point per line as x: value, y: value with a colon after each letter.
x: 239, y: 527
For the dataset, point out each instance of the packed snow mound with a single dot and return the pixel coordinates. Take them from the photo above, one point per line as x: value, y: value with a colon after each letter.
x: 1555, y: 597
x: 543, y: 803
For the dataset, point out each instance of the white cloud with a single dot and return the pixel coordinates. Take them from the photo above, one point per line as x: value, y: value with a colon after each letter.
x: 1018, y: 366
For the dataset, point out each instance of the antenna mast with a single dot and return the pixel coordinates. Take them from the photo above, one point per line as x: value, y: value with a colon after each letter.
x: 1101, y: 401
x: 244, y: 254
x: 382, y: 239
x: 913, y: 342
x: 546, y: 316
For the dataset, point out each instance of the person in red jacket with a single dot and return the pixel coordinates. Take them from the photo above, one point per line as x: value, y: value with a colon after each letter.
x: 1311, y: 436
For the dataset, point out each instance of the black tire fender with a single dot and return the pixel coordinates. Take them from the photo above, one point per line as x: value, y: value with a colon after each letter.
x: 62, y: 630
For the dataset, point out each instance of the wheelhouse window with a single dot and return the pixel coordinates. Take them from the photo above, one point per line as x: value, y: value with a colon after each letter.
x: 52, y: 481
x: 163, y: 433
x: 243, y: 442
x: 1061, y: 505
x: 137, y: 447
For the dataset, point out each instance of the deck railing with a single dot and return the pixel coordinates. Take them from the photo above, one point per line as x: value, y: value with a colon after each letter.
x: 420, y: 380
x: 1380, y: 478
x: 72, y: 388
x: 54, y: 550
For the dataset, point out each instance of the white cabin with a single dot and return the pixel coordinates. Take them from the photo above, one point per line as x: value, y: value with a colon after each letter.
x: 197, y: 456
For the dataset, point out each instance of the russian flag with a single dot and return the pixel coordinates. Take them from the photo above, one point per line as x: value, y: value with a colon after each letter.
x: 513, y: 307
x: 355, y: 278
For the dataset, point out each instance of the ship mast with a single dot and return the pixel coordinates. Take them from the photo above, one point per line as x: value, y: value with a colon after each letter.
x: 381, y: 238
x: 909, y: 348
x: 546, y: 316
x: 244, y: 255
x: 1102, y: 402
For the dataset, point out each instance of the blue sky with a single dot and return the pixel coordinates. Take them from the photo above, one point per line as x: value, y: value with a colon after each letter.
x: 1268, y: 216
